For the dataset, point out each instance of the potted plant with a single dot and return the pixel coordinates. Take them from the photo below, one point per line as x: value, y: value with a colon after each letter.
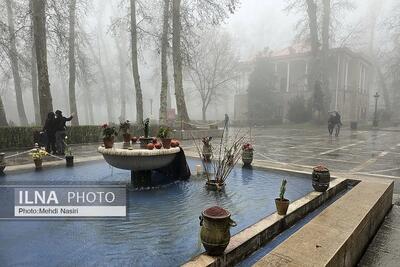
x: 163, y: 134
x: 207, y: 148
x: 215, y: 224
x: 37, y: 156
x: 282, y: 203
x: 320, y: 178
x: 247, y: 154
x: 144, y: 140
x: 109, y: 133
x: 124, y: 127
x: 69, y: 157
x: 217, y: 171
x: 2, y: 163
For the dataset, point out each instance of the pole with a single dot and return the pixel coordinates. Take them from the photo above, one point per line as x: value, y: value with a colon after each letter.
x: 375, y: 122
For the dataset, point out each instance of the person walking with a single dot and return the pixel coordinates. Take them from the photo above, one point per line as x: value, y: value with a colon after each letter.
x: 50, y: 130
x: 60, y: 131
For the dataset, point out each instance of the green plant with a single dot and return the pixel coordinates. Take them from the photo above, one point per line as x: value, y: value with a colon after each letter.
x: 68, y: 148
x: 283, y: 190
x: 109, y: 131
x: 163, y: 132
x: 124, y: 126
x: 38, y: 153
x: 146, y: 127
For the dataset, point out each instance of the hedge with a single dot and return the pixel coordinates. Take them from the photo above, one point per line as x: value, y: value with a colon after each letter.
x: 26, y: 137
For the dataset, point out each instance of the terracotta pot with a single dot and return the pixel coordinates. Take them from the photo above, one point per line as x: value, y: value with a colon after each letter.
x: 38, y: 163
x: 320, y: 178
x: 166, y: 142
x: 215, y: 224
x: 144, y: 141
x: 207, y: 153
x: 247, y: 157
x: 127, y: 137
x: 282, y: 205
x: 2, y: 163
x: 69, y: 160
x: 214, y: 186
x: 108, y: 142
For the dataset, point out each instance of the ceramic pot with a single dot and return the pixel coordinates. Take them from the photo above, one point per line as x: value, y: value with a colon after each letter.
x: 207, y: 153
x: 320, y: 178
x: 166, y: 142
x: 38, y: 163
x: 127, y: 137
x: 247, y: 157
x: 215, y: 233
x: 108, y: 142
x: 282, y: 205
x: 69, y: 160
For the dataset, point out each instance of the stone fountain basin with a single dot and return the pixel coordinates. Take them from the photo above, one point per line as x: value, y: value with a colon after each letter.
x: 138, y: 159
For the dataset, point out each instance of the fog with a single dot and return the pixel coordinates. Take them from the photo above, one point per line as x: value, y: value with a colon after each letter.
x: 255, y: 27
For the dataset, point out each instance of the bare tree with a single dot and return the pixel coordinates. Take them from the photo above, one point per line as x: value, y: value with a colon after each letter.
x: 212, y: 67
x: 120, y: 41
x: 33, y: 69
x: 14, y: 64
x: 164, y: 63
x: 177, y: 61
x: 135, y: 66
x: 39, y: 30
x: 3, y: 118
x: 71, y: 62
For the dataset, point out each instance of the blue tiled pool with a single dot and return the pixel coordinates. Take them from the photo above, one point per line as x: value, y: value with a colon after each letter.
x: 162, y: 225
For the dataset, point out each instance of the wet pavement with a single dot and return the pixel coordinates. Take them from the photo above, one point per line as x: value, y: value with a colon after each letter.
x: 384, y: 249
x: 373, y: 152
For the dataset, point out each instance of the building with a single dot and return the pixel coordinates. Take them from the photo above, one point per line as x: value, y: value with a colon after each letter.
x: 349, y: 79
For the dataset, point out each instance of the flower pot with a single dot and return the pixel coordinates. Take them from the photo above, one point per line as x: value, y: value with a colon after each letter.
x: 247, y: 157
x: 144, y: 141
x: 2, y: 163
x: 69, y: 160
x: 38, y: 163
x: 282, y: 205
x: 214, y: 186
x: 127, y: 137
x: 166, y: 142
x: 215, y: 224
x: 108, y: 142
x: 320, y: 178
x: 207, y: 153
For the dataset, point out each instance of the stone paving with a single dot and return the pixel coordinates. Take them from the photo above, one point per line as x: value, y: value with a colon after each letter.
x: 373, y: 152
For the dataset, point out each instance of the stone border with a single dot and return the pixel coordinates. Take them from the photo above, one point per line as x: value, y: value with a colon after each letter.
x: 257, y: 235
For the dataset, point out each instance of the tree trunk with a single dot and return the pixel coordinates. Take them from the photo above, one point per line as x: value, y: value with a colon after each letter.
x: 312, y: 21
x: 39, y: 30
x: 135, y: 67
x: 203, y: 113
x: 177, y: 58
x: 72, y: 65
x: 325, y: 51
x: 385, y: 90
x: 120, y: 42
x: 106, y: 86
x: 14, y: 65
x: 3, y: 118
x: 34, y: 77
x: 164, y: 66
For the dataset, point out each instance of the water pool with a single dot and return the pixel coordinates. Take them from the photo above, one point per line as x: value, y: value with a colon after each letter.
x: 162, y: 225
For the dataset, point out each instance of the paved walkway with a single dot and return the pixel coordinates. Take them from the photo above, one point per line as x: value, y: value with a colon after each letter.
x: 384, y: 249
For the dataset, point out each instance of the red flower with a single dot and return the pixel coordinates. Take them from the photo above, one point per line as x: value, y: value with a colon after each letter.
x: 104, y: 126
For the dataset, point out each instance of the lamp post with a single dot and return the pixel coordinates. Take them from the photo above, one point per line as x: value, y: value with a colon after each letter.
x: 375, y: 122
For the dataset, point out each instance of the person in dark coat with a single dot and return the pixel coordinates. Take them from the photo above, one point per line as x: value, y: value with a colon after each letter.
x: 60, y: 131
x: 50, y: 130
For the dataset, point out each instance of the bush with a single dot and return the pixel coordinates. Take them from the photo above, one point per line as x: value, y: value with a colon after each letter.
x: 299, y: 111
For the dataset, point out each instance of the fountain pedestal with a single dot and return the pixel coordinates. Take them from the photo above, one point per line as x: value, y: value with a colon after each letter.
x: 142, y: 163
